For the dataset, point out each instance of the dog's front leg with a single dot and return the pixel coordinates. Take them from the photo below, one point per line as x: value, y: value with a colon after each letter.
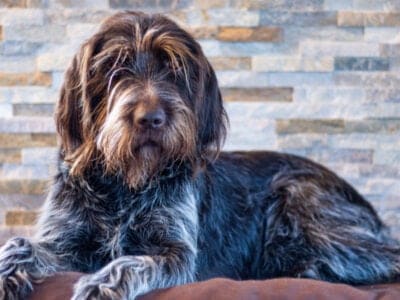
x: 23, y: 263
x: 130, y: 276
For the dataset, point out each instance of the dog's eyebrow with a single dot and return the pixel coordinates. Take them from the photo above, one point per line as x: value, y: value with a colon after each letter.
x: 115, y: 72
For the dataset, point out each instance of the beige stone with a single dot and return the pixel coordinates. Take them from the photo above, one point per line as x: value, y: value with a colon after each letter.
x: 10, y: 155
x: 291, y: 126
x: 36, y: 78
x: 258, y: 94
x: 20, y: 218
x: 347, y: 18
x: 203, y: 32
x: 241, y: 34
x: 23, y: 186
x: 230, y: 63
x: 15, y: 140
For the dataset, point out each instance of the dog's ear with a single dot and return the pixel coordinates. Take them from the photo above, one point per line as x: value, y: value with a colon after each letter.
x: 212, y: 118
x: 77, y: 105
x: 69, y: 114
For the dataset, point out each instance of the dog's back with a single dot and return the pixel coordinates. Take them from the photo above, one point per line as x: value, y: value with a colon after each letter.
x: 266, y: 214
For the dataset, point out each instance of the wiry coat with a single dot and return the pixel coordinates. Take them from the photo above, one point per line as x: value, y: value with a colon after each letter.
x: 143, y: 199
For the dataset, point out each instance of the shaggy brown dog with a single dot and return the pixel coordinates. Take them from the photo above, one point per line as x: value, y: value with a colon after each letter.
x: 144, y: 199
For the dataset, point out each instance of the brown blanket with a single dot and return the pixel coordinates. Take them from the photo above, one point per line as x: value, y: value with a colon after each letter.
x: 59, y: 287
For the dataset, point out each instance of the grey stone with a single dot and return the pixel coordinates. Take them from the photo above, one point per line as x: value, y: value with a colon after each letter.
x: 27, y: 125
x: 19, y: 48
x: 268, y: 17
x: 361, y: 64
x: 152, y: 4
x: 29, y: 109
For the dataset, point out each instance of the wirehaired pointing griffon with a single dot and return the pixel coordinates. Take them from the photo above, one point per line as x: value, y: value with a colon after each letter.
x: 144, y: 199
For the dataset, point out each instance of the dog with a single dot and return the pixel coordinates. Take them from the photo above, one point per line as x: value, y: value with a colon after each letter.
x: 144, y: 198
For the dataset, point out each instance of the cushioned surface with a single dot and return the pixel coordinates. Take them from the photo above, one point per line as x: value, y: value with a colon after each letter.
x: 59, y: 287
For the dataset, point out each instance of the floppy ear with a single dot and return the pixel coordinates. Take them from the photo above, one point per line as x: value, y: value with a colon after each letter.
x: 77, y: 109
x: 69, y: 114
x: 212, y: 118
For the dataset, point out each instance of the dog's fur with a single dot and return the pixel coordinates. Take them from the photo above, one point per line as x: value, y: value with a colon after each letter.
x: 143, y: 199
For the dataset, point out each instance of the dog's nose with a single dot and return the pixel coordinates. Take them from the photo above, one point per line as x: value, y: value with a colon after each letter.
x: 151, y: 119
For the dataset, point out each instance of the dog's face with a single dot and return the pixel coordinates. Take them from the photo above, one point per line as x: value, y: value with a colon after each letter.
x: 138, y: 96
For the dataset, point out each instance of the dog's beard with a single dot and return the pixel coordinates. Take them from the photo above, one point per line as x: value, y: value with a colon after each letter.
x: 140, y: 156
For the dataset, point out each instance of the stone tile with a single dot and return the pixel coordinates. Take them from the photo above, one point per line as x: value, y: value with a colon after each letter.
x: 39, y: 156
x: 285, y: 5
x: 81, y: 31
x: 292, y: 126
x: 370, y: 80
x: 21, y: 3
x: 5, y: 110
x: 37, y: 78
x: 292, y: 64
x: 209, y: 4
x: 20, y: 218
x: 12, y: 3
x: 373, y: 126
x: 298, y: 79
x: 327, y: 48
x: 21, y: 201
x: 230, y: 63
x: 231, y: 17
x: 383, y: 95
x: 23, y: 186
x: 338, y: 5
x: 268, y: 17
x: 15, y: 140
x: 33, y: 94
x: 390, y: 157
x: 341, y: 155
x: 330, y: 95
x: 361, y: 64
x: 301, y: 140
x: 276, y: 79
x: 33, y: 33
x: 27, y: 125
x: 150, y: 4
x: 56, y: 59
x: 387, y: 5
x: 381, y: 171
x: 17, y: 17
x: 242, y: 34
x: 242, y: 79
x: 258, y: 94
x: 69, y: 16
x: 81, y: 4
x: 33, y: 110
x: 391, y: 50
x: 350, y: 18
x: 389, y: 35
x: 203, y: 32
x: 10, y: 155
x: 326, y: 33
x: 16, y: 64
x: 18, y: 48
x: 213, y: 48
x: 13, y: 171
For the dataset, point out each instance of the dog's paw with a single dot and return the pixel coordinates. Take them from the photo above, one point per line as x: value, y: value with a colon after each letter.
x: 91, y: 287
x: 15, y: 282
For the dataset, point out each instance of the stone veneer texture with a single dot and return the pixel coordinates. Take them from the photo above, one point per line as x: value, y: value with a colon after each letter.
x: 319, y: 78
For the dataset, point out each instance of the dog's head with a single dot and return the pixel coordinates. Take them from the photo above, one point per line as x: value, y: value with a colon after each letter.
x: 138, y: 96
